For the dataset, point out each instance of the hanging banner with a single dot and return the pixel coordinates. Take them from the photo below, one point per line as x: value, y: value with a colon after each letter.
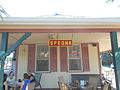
x: 60, y: 43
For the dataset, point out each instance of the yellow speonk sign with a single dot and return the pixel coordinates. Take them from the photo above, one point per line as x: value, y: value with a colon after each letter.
x: 60, y: 43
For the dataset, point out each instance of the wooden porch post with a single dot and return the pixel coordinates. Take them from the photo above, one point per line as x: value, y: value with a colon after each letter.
x: 4, y: 44
x: 116, y: 57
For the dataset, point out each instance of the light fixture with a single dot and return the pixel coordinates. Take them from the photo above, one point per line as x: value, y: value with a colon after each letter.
x: 94, y: 44
x: 52, y: 36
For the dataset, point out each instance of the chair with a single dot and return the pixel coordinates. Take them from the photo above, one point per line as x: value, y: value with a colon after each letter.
x: 30, y: 86
x: 106, y: 87
x: 61, y: 79
x: 37, y: 79
x: 63, y: 85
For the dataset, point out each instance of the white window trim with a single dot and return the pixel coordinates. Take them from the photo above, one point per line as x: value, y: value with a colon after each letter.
x: 75, y: 71
x: 36, y: 59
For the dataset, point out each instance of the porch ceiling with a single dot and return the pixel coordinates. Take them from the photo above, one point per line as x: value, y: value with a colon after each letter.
x: 42, y: 38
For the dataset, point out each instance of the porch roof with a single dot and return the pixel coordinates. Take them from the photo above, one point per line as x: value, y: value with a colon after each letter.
x: 84, y: 30
x: 71, y: 24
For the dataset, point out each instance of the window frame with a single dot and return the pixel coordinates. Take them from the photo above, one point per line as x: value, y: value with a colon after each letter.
x: 39, y: 59
x: 75, y: 58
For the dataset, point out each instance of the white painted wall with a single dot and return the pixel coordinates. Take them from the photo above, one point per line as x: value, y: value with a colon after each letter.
x: 22, y: 61
x: 50, y: 80
x: 102, y: 38
x: 93, y: 57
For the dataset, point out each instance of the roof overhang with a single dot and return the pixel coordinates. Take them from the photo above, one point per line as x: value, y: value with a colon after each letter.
x: 52, y: 24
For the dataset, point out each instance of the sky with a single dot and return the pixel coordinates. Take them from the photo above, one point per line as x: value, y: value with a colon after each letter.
x: 81, y: 8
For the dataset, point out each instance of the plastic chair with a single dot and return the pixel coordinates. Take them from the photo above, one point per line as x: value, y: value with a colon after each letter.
x: 37, y: 79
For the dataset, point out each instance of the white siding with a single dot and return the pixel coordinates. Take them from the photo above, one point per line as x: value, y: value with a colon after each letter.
x: 93, y: 57
x: 50, y: 80
x: 22, y: 61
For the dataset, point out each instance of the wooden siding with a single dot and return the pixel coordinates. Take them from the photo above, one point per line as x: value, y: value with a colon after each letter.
x: 63, y: 59
x: 31, y: 57
x: 85, y: 57
x: 53, y: 59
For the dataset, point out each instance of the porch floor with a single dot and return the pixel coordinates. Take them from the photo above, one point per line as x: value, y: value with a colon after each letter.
x: 48, y: 89
x: 52, y: 89
x: 59, y: 89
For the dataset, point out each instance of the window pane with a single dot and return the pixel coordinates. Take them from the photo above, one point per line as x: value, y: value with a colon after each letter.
x: 74, y: 51
x: 74, y: 58
x: 42, y: 63
x: 42, y: 52
x: 75, y: 64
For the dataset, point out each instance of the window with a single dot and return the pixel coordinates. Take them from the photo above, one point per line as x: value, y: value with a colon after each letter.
x: 42, y: 58
x: 74, y: 58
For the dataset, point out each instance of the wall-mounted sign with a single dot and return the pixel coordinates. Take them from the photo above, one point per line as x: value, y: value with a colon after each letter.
x: 73, y: 53
x: 60, y: 43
